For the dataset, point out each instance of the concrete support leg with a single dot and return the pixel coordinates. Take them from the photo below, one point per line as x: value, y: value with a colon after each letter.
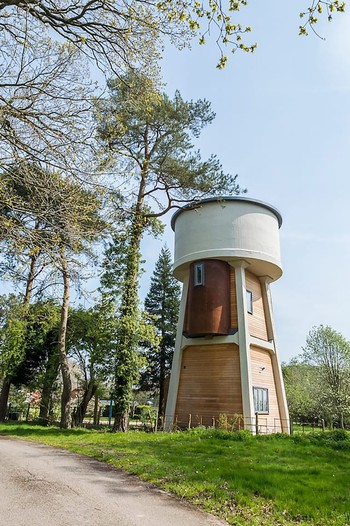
x: 244, y: 346
x: 176, y: 365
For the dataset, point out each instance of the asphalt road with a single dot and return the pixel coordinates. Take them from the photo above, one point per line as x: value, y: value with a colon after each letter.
x: 44, y: 486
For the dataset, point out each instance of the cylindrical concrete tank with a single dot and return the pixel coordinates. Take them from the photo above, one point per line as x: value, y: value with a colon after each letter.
x: 229, y: 228
x: 227, y: 252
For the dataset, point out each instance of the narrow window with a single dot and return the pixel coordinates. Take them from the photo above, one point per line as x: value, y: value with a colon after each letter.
x: 249, y: 302
x: 198, y: 274
x: 261, y: 399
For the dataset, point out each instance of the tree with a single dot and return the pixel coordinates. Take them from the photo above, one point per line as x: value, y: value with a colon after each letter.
x: 329, y: 352
x: 49, y: 375
x: 120, y: 33
x: 148, y: 138
x: 39, y: 367
x: 125, y: 324
x: 75, y: 223
x: 301, y: 384
x: 310, y: 17
x: 45, y: 97
x: 12, y: 339
x: 59, y: 219
x: 88, y: 344
x: 115, y: 32
x: 162, y: 303
x: 41, y: 320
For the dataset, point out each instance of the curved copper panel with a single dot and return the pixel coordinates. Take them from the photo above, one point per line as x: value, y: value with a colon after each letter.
x: 208, y: 300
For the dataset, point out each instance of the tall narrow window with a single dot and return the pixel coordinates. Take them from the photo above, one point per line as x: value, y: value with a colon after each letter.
x: 261, y: 399
x: 249, y: 302
x: 198, y: 274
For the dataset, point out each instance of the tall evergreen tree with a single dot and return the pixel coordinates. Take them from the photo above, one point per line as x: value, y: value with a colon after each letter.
x: 148, y: 140
x: 125, y: 325
x: 162, y: 302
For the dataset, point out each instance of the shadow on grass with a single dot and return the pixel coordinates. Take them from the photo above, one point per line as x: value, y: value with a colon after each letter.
x: 25, y: 429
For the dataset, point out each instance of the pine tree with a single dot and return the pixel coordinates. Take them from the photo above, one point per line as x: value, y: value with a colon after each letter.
x: 162, y: 303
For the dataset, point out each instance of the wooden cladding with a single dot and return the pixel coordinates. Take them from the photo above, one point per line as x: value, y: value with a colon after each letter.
x: 256, y: 320
x: 233, y: 300
x: 208, y: 300
x: 262, y: 376
x: 210, y: 384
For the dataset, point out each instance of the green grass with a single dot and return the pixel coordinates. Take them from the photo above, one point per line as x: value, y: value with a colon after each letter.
x: 265, y: 480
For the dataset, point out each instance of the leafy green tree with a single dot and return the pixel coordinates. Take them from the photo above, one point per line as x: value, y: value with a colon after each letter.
x: 41, y: 320
x: 57, y: 219
x: 49, y: 375
x: 162, y: 303
x: 23, y: 348
x: 12, y: 339
x: 329, y: 353
x: 148, y: 139
x: 88, y: 342
x: 125, y: 325
x: 75, y: 225
x: 301, y: 384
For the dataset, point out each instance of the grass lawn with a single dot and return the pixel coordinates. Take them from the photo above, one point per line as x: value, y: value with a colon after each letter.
x: 264, y: 480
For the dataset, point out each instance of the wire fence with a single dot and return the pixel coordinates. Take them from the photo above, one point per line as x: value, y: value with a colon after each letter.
x: 258, y: 424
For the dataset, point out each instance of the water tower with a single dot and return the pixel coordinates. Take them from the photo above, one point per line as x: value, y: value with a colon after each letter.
x: 227, y: 252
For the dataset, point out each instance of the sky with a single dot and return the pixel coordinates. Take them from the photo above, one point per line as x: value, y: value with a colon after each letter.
x: 283, y: 125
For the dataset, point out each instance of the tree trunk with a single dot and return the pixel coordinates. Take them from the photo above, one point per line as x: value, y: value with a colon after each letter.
x: 49, y: 379
x: 82, y: 407
x: 161, y: 406
x: 96, y: 411
x: 5, y: 391
x: 121, y: 422
x: 125, y: 368
x: 31, y: 276
x: 66, y: 417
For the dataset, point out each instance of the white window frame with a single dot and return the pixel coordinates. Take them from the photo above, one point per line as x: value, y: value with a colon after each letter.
x: 198, y: 274
x: 249, y: 296
x: 261, y: 400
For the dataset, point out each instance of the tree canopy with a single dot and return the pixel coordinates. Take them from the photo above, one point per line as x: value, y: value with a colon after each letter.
x: 162, y: 303
x: 318, y: 382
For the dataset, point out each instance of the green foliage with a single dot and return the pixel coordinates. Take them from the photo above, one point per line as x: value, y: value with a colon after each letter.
x: 45, y: 210
x: 301, y: 384
x: 126, y: 325
x: 329, y: 353
x: 319, y: 7
x: 318, y: 382
x: 221, y: 434
x: 162, y: 303
x: 12, y: 333
x: 234, y: 423
x: 40, y: 342
x: 148, y: 138
x: 147, y: 414
x: 213, y: 16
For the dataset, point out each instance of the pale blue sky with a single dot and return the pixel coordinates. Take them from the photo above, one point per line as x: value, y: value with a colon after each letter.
x: 283, y: 124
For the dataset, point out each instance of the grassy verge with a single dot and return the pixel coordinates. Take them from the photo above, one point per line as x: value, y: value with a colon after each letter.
x: 264, y: 480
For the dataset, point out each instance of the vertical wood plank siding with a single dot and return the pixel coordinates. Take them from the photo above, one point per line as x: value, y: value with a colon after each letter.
x: 256, y: 321
x: 262, y: 376
x: 234, y: 317
x: 210, y: 384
